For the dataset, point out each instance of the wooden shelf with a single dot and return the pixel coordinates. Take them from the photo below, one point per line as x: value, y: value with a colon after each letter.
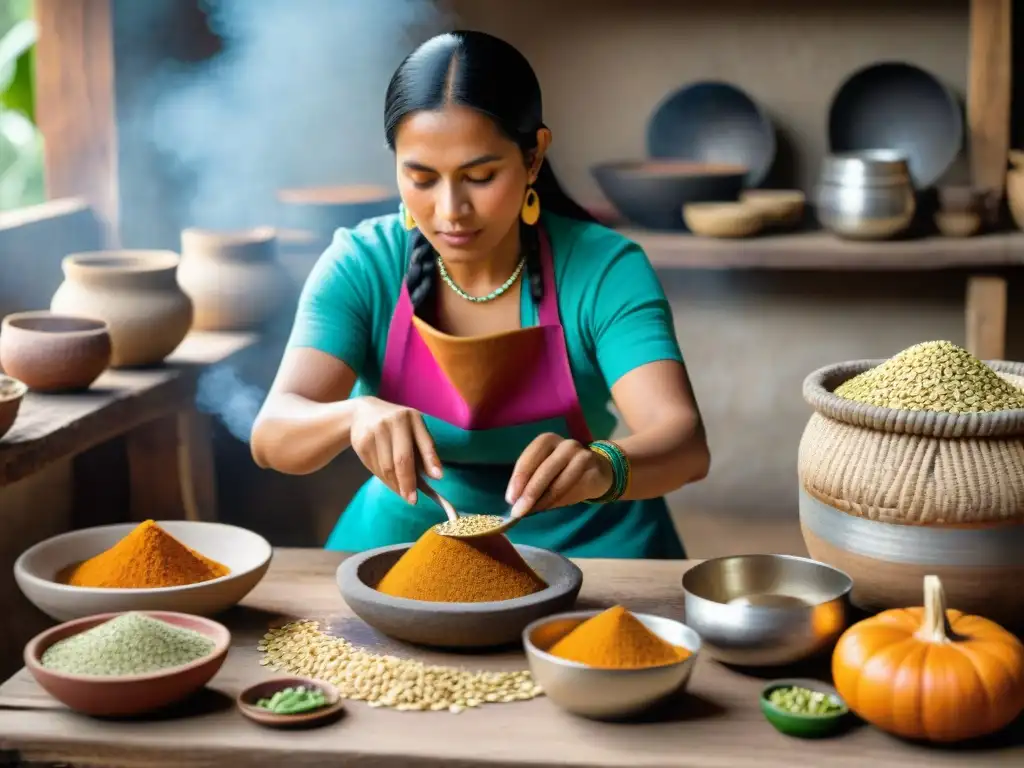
x: 821, y: 251
x: 51, y: 427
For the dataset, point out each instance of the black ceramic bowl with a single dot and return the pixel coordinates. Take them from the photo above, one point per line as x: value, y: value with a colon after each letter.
x: 897, y: 106
x: 713, y: 122
x: 652, y: 194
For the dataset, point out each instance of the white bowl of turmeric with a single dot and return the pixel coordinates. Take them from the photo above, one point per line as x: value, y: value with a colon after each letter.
x: 612, y: 664
x: 176, y: 565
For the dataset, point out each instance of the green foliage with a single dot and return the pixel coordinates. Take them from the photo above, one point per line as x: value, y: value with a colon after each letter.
x: 21, y: 145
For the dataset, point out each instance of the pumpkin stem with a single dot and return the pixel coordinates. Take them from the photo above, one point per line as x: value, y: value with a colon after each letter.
x: 935, y: 628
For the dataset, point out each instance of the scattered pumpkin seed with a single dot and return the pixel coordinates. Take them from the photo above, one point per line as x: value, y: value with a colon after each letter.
x: 804, y: 701
x: 406, y: 685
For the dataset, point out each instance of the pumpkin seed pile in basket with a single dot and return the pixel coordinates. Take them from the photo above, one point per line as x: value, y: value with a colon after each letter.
x: 934, y: 376
x: 301, y: 648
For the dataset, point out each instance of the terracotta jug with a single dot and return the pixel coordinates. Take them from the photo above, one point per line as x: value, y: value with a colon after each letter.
x: 136, y: 293
x: 233, y: 278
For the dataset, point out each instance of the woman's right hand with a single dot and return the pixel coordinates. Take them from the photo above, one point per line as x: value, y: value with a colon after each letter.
x: 393, y: 442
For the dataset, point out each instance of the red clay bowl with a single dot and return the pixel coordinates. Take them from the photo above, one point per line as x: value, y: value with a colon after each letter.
x: 129, y: 694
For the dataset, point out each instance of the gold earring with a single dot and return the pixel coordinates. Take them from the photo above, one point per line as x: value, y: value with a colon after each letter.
x: 531, y: 207
x: 407, y: 220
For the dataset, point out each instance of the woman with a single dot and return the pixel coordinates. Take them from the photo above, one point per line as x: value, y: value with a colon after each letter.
x: 479, y: 336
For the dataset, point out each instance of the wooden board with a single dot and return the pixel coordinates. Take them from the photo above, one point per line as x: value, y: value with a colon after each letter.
x: 718, y: 725
x: 820, y: 251
x: 989, y: 90
x: 76, y: 105
x: 50, y: 427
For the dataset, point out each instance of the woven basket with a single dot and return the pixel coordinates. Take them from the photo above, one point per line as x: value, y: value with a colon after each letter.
x: 891, y: 495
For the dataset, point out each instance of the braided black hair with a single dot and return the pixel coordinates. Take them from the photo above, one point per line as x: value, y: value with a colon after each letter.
x: 482, y: 72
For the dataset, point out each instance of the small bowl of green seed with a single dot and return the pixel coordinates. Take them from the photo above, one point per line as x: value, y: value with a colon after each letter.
x: 807, y: 709
x: 287, y: 702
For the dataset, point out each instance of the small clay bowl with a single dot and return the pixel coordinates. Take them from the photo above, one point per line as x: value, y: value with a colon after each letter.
x: 52, y: 352
x: 127, y: 695
x: 781, y: 208
x: 725, y: 220
x: 246, y: 702
x: 958, y: 223
x: 12, y: 392
x: 803, y: 726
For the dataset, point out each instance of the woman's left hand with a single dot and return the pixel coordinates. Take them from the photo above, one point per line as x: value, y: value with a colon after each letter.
x: 554, y: 472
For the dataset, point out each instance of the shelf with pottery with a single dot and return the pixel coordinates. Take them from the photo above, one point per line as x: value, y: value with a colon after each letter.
x: 716, y: 722
x: 50, y: 427
x: 825, y: 252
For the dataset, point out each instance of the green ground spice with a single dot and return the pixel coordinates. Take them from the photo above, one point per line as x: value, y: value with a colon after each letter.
x: 131, y: 644
x: 934, y: 376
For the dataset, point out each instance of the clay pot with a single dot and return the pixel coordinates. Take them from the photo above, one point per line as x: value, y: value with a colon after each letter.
x: 1015, y: 195
x: 12, y: 392
x: 54, y: 353
x: 890, y: 496
x: 233, y: 278
x: 136, y: 293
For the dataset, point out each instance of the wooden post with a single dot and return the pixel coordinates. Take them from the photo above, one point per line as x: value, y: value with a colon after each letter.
x: 989, y: 94
x: 76, y: 104
x: 986, y: 317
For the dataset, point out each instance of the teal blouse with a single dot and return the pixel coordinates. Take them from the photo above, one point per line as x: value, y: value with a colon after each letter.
x: 615, y: 317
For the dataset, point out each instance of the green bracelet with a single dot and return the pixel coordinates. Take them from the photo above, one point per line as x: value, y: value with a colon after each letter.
x: 621, y: 474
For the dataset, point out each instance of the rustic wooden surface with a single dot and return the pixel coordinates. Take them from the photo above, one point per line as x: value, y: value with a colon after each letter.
x: 50, y: 427
x: 820, y: 251
x: 717, y: 725
x: 76, y: 104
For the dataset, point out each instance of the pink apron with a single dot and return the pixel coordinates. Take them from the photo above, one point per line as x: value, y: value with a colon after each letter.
x: 485, y: 382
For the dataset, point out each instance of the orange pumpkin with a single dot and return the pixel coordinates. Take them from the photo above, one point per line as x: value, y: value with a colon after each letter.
x: 931, y: 674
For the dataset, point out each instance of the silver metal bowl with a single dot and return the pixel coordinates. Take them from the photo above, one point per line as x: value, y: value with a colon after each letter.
x: 607, y: 694
x: 766, y: 610
x: 865, y: 195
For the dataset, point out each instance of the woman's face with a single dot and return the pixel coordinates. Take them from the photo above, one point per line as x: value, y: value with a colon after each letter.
x: 462, y: 180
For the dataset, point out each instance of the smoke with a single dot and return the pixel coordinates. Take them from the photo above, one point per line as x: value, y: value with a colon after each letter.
x: 221, y: 391
x: 294, y: 98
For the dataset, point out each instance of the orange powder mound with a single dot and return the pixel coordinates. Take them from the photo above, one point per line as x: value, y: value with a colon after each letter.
x: 444, y: 569
x: 147, y: 558
x: 616, y: 639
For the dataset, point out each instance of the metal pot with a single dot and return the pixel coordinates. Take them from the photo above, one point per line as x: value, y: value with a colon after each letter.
x: 865, y: 195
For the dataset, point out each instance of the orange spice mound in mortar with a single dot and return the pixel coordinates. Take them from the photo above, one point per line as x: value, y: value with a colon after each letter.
x: 616, y: 639
x: 147, y: 558
x: 448, y: 570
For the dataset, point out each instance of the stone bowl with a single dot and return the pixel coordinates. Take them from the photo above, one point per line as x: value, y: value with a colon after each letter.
x: 12, y: 392
x: 245, y: 553
x: 52, y: 352
x: 455, y: 625
x: 126, y: 695
x: 607, y: 694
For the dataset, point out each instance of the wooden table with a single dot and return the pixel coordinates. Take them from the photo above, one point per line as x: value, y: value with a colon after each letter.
x: 717, y: 725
